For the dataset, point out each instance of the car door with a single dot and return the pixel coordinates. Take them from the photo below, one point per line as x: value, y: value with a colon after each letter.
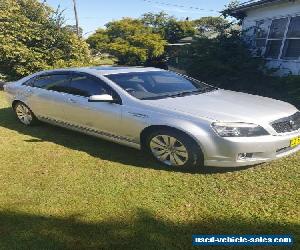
x: 100, y: 116
x: 45, y: 95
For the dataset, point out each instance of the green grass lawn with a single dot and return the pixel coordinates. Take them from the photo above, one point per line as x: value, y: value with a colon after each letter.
x: 64, y: 190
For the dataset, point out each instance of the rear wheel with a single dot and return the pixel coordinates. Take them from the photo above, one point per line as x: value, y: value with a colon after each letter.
x: 24, y: 114
x: 174, y: 149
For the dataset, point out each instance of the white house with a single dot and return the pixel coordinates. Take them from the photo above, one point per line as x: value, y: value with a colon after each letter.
x: 273, y: 27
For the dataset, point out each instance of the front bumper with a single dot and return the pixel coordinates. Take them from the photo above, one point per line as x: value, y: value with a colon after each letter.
x: 224, y: 152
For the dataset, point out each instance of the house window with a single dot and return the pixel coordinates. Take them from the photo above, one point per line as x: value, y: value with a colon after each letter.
x: 261, y: 33
x: 278, y: 28
x: 279, y: 38
x: 276, y: 37
x: 291, y: 48
x: 273, y: 48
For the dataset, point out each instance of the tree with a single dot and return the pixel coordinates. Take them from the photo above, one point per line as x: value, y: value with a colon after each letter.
x: 170, y: 28
x: 211, y: 24
x: 232, y: 5
x: 176, y: 30
x: 156, y: 21
x: 99, y: 41
x: 140, y: 41
x: 32, y: 38
x: 73, y: 28
x: 129, y: 40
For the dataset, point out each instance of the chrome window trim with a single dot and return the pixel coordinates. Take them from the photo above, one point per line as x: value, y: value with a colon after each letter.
x: 119, y: 101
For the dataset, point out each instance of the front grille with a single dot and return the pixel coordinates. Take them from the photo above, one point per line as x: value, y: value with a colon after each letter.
x: 287, y: 124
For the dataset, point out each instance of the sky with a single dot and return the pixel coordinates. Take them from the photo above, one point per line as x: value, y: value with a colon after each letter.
x: 96, y: 13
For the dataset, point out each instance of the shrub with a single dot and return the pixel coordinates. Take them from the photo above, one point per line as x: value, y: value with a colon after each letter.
x: 226, y: 62
x: 32, y: 38
x: 287, y: 88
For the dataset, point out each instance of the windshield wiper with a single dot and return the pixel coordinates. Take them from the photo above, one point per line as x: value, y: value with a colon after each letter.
x: 184, y: 93
x: 199, y: 91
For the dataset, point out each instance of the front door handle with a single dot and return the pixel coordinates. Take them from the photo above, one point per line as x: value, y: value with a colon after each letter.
x: 71, y: 100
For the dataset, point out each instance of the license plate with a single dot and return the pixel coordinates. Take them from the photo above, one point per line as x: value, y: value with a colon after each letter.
x: 295, y: 142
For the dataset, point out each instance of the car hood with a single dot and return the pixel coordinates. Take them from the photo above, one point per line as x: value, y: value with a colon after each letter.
x: 225, y: 105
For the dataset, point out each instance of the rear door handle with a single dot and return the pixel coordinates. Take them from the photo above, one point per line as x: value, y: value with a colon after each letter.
x: 71, y: 100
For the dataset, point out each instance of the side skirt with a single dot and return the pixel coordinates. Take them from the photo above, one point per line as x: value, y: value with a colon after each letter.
x: 96, y: 133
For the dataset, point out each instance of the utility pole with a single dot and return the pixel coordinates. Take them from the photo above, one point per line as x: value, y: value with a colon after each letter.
x: 76, y: 18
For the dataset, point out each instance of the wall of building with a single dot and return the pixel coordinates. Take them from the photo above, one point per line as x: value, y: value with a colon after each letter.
x: 276, y: 10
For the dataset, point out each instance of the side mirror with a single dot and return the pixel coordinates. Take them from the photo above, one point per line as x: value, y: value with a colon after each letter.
x: 101, y: 98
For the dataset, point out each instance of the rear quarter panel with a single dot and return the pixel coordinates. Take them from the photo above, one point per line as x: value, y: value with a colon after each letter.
x: 14, y: 91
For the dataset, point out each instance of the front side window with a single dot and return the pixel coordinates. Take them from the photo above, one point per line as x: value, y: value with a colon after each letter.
x: 158, y: 84
x: 86, y: 86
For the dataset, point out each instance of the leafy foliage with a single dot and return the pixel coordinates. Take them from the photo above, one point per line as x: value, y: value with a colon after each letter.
x: 225, y: 61
x: 212, y: 24
x: 232, y: 5
x: 142, y: 41
x: 169, y: 27
x: 32, y: 38
x: 285, y: 88
x: 129, y: 40
x: 99, y: 41
x: 73, y: 28
x: 176, y: 30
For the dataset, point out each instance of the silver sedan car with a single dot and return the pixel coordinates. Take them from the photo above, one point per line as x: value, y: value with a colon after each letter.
x: 182, y: 122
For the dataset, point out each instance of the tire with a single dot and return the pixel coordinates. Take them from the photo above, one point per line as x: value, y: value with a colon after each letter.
x: 174, y: 149
x: 24, y: 114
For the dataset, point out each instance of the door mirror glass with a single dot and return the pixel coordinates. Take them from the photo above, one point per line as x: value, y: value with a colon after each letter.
x: 101, y: 98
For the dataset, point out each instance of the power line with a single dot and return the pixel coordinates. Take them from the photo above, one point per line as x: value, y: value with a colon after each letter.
x: 180, y: 6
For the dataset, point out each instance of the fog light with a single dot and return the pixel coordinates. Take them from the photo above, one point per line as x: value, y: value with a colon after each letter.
x: 245, y: 156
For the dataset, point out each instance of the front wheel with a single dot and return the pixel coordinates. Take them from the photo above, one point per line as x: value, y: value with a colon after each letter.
x: 174, y: 149
x: 24, y: 114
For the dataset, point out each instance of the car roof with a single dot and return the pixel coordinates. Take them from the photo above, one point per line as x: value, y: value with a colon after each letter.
x: 106, y: 70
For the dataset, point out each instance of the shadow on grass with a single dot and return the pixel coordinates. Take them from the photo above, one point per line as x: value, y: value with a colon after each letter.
x: 93, y: 146
x: 142, y: 231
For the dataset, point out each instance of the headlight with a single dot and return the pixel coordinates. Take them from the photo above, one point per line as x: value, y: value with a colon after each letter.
x: 238, y: 129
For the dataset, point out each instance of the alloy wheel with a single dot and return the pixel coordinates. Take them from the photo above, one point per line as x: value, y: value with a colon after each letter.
x: 24, y: 114
x: 169, y: 150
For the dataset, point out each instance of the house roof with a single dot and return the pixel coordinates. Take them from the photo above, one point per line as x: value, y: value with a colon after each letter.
x: 241, y: 9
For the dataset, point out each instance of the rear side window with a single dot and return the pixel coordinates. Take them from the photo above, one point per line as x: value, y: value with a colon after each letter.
x: 52, y: 82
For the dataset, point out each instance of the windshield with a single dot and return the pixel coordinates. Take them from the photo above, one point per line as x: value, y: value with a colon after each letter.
x: 158, y: 84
